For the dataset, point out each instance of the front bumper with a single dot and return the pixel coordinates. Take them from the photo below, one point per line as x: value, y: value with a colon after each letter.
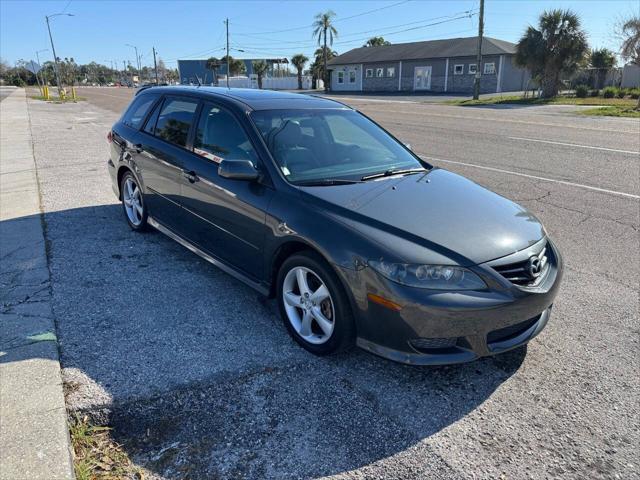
x: 435, y: 328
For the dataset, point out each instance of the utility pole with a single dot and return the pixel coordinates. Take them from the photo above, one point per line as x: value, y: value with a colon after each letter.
x: 55, y: 57
x: 476, y: 83
x: 226, y: 22
x: 155, y: 65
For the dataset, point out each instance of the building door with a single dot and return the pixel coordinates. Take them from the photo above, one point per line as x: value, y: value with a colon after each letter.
x: 422, y: 78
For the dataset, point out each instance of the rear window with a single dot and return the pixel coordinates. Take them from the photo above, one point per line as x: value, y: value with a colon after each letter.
x: 175, y: 120
x: 137, y: 111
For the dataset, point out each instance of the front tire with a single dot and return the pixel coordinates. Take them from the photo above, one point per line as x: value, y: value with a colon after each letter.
x: 135, y: 210
x: 314, y: 305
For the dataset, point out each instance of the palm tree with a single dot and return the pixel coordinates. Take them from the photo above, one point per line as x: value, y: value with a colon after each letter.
x: 212, y: 64
x: 317, y: 69
x: 602, y: 60
x: 299, y: 62
x: 376, y: 42
x: 322, y: 24
x: 630, y: 33
x: 235, y: 66
x: 556, y: 47
x: 260, y: 68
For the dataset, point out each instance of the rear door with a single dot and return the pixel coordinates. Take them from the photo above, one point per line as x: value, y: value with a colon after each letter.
x: 161, y: 155
x: 227, y: 217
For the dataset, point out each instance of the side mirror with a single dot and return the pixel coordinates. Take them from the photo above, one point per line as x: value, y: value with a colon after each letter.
x: 238, y: 170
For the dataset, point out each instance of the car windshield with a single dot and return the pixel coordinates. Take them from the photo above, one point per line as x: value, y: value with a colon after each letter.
x: 330, y: 145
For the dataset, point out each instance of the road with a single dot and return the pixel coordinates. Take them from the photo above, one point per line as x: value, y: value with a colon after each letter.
x: 198, y: 377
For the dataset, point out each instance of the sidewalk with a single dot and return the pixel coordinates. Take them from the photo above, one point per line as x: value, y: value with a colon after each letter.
x: 34, y: 438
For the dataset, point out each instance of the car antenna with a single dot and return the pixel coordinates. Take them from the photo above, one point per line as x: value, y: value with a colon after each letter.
x: 199, y: 83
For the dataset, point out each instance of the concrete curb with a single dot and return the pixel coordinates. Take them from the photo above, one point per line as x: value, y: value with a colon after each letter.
x: 34, y: 436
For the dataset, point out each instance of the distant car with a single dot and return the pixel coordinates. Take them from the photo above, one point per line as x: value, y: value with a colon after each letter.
x: 359, y: 240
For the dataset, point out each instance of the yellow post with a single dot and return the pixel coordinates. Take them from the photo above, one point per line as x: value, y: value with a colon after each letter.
x: 46, y: 92
x: 73, y: 94
x: 63, y: 94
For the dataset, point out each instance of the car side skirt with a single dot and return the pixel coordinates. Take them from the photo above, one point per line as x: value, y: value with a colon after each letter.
x: 262, y: 289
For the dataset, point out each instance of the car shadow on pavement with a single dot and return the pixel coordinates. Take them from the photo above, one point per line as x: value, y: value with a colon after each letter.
x: 199, y: 379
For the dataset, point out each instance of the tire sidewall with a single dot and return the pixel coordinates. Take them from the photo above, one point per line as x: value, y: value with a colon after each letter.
x: 143, y: 224
x: 343, y: 331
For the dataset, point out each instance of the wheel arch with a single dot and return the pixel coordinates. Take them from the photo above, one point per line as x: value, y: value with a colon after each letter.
x: 293, y: 246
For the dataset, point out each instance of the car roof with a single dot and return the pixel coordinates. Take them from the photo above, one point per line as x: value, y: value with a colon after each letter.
x: 254, y: 99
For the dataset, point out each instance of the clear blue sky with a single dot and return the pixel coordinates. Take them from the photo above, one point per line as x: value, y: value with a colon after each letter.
x: 99, y: 30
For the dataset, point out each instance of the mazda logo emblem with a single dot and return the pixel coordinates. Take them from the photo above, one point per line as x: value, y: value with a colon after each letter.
x: 534, y: 267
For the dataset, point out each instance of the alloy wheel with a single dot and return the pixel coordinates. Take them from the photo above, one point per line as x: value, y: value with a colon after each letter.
x: 308, y: 305
x: 132, y: 198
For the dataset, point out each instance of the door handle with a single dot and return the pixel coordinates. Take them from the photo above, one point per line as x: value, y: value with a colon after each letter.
x: 190, y: 175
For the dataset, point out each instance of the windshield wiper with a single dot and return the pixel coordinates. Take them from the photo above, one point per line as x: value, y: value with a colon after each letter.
x: 391, y: 172
x: 326, y: 181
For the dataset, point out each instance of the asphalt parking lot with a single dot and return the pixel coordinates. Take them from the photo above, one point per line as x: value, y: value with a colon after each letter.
x: 199, y: 379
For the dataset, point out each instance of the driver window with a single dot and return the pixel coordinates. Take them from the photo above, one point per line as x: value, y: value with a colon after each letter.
x: 220, y: 136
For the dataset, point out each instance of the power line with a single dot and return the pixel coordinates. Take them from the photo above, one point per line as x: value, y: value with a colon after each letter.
x: 293, y: 29
x: 380, y: 31
x: 365, y: 38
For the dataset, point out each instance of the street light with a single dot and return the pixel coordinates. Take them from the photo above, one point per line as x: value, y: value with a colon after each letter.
x: 55, y: 57
x: 137, y: 57
x: 41, y: 69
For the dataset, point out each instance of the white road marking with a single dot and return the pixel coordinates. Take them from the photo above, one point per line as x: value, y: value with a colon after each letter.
x: 574, y: 145
x: 552, y: 180
x: 366, y: 99
x: 430, y: 113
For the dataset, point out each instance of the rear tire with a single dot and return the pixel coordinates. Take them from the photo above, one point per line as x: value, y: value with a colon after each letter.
x: 135, y: 210
x: 313, y: 305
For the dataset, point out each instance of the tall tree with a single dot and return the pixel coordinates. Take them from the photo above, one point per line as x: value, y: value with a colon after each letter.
x: 299, y: 61
x: 376, y: 42
x: 322, y: 25
x: 260, y: 68
x: 602, y: 60
x: 555, y: 48
x: 212, y: 64
x: 629, y: 32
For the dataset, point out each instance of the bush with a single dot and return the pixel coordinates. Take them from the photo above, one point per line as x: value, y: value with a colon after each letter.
x: 621, y: 93
x: 594, y: 93
x: 582, y: 91
x: 609, y: 92
x: 634, y: 93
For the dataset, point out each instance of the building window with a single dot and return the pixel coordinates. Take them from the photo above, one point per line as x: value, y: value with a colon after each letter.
x: 489, y: 68
x: 340, y: 77
x: 458, y: 69
x: 473, y: 68
x: 352, y: 76
x: 391, y: 72
x: 369, y: 72
x: 379, y: 72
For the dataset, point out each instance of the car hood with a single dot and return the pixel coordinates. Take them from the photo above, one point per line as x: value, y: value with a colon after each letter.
x: 442, y: 211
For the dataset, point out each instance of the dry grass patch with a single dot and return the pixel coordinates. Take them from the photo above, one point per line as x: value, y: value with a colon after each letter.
x: 97, y: 455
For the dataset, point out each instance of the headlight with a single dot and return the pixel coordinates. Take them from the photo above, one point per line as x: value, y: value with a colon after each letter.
x: 436, y: 277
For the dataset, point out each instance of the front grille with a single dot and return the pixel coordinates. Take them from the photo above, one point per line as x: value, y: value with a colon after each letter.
x: 433, y: 343
x: 511, y: 331
x: 520, y: 273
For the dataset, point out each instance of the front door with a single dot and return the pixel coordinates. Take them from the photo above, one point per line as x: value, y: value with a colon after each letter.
x: 422, y: 78
x: 226, y: 217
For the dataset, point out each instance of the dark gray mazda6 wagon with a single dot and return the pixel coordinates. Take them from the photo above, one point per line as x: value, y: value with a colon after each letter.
x: 359, y: 240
